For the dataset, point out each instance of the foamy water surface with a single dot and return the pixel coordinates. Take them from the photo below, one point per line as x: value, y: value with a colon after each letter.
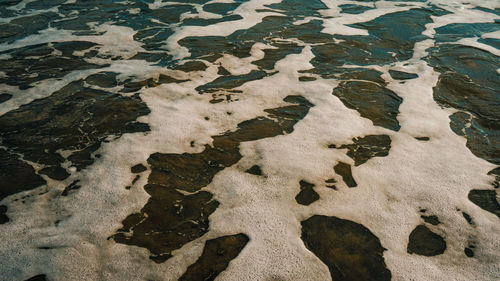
x: 249, y: 140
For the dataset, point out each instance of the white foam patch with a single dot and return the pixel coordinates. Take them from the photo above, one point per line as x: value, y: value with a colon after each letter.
x: 436, y: 175
x: 241, y: 66
x: 116, y: 41
x: 246, y: 10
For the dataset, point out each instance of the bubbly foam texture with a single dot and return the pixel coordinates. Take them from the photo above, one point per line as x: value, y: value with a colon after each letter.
x: 67, y: 237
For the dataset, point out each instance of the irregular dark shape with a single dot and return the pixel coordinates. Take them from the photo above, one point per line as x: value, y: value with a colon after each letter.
x: 434, y: 220
x: 220, y: 8
x: 139, y: 168
x: 372, y: 101
x: 72, y: 186
x: 3, y: 214
x: 486, y: 199
x: 205, y: 22
x: 170, y: 218
x: 239, y: 43
x: 255, y: 170
x: 353, y: 9
x: 191, y: 66
x: 229, y: 82
x: 209, y: 48
x: 68, y: 48
x: 459, y: 121
x: 164, y: 79
x: 136, y: 179
x: 215, y: 99
x: 469, y: 252
x: 494, y: 42
x: 422, y: 138
x: 33, y: 24
x: 496, y: 173
x: 55, y: 172
x: 103, y: 79
x: 467, y: 218
x: 223, y: 71
x: 16, y: 175
x: 298, y: 8
x: 215, y: 258
x: 349, y: 249
x: 130, y: 87
x: 424, y: 242
x: 456, y: 31
x: 271, y: 56
x: 400, y: 38
x: 370, y: 75
x: 75, y: 118
x: 344, y: 170
x: 367, y: 147
x: 38, y: 62
x: 5, y: 97
x: 331, y: 185
x: 471, y: 86
x: 306, y: 78
x: 307, y: 195
x: 40, y: 277
x: 386, y: 43
x: 401, y: 75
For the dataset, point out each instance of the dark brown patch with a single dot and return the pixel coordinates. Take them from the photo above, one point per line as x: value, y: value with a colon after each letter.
x: 254, y: 170
x: 5, y: 97
x: 230, y: 81
x: 40, y: 277
x: 424, y: 242
x: 16, y: 176
x: 223, y: 71
x: 422, y: 138
x: 372, y: 101
x: 486, y: 199
x: 170, y: 218
x: 103, y: 79
x: 136, y: 179
x: 401, y: 75
x: 55, y: 172
x: 165, y: 79
x: 307, y: 195
x: 72, y: 186
x: 469, y: 252
x: 306, y: 78
x: 367, y: 147
x: 470, y: 85
x: 344, y: 170
x: 192, y: 66
x: 139, y: 168
x: 434, y: 220
x: 3, y: 214
x: 349, y: 249
x: 467, y: 218
x: 215, y: 258
x: 74, y: 118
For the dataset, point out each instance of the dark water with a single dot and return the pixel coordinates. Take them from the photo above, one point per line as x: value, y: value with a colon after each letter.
x: 249, y: 140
